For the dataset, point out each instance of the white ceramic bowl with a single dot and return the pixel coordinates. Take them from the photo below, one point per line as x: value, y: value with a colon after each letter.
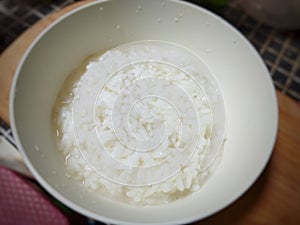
x: 249, y: 97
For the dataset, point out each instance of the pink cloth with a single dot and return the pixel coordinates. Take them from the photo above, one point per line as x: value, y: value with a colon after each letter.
x: 22, y: 204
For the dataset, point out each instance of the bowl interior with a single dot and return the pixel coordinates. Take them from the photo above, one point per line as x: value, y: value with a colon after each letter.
x: 250, y: 102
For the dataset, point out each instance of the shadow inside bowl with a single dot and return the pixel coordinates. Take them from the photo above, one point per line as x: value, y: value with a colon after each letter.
x: 244, y: 206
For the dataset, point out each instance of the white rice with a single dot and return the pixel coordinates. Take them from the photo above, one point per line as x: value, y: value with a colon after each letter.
x: 87, y: 137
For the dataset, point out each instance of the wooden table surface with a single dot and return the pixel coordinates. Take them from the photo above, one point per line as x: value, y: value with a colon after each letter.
x: 275, y: 197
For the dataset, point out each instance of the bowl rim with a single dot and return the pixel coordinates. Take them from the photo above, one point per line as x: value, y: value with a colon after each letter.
x: 105, y: 219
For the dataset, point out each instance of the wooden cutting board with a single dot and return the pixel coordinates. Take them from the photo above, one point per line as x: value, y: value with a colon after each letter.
x: 273, y: 200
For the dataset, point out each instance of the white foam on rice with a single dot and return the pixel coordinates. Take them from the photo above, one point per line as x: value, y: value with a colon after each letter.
x: 186, y: 181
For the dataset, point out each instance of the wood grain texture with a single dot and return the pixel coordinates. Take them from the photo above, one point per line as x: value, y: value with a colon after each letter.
x: 273, y: 200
